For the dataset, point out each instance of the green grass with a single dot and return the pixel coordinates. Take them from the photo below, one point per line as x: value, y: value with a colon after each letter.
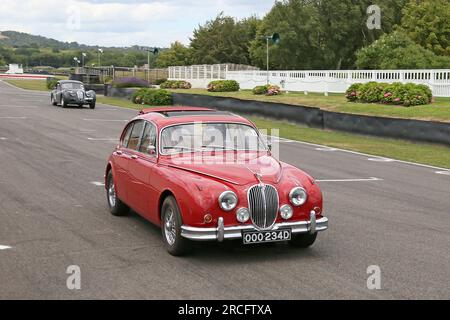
x: 120, y: 102
x: 27, y: 84
x: 425, y: 153
x: 438, y: 111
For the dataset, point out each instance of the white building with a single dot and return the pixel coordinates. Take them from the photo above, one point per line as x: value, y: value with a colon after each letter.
x: 15, y: 68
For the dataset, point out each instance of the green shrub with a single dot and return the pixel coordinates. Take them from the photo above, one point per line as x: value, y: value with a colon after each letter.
x: 175, y: 84
x: 223, y: 86
x: 397, y: 93
x: 372, y: 92
x: 354, y: 91
x: 159, y: 81
x: 259, y: 90
x: 152, y: 97
x: 51, y: 83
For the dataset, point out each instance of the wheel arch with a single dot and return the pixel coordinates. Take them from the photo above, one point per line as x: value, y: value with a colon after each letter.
x: 166, y: 193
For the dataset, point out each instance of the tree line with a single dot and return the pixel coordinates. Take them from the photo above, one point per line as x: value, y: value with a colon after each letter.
x: 325, y: 34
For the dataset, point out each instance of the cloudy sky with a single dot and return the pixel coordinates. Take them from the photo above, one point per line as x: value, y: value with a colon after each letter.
x: 120, y: 22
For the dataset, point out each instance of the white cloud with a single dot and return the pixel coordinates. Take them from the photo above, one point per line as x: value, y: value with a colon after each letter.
x: 120, y: 23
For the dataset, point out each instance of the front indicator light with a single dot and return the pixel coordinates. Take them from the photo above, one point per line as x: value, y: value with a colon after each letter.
x: 286, y: 211
x: 242, y: 215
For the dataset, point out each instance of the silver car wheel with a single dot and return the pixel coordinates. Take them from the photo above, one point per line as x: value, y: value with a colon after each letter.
x: 170, y: 226
x: 112, y: 194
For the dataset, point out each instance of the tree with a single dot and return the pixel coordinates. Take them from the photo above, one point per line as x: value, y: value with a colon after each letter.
x: 223, y: 40
x: 427, y: 22
x: 177, y: 55
x: 322, y: 34
x: 398, y: 51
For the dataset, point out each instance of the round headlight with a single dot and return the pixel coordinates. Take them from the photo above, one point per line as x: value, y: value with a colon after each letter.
x: 286, y: 211
x: 228, y: 200
x: 298, y: 196
x: 242, y: 215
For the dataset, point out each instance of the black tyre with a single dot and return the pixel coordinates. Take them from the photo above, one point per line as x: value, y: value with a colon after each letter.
x: 54, y: 101
x: 63, y: 103
x: 80, y: 105
x: 116, y: 206
x: 303, y: 240
x: 171, y: 223
x: 92, y: 105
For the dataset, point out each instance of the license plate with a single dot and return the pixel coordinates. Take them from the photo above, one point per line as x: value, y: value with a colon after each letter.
x: 266, y: 236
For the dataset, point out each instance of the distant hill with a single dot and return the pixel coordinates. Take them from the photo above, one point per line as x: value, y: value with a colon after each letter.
x: 20, y: 39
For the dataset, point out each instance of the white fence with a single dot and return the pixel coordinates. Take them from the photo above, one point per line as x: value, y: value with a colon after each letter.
x: 323, y: 81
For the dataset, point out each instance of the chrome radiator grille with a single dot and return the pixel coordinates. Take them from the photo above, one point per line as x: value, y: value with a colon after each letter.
x: 263, y: 205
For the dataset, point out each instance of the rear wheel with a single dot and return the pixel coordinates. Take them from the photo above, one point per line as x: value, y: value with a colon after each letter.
x: 171, y: 223
x: 303, y: 240
x: 116, y: 206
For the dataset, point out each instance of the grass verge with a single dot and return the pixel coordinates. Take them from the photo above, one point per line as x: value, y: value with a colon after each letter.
x: 438, y: 111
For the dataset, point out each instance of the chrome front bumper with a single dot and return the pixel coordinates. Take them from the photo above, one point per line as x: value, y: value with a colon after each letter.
x: 221, y: 233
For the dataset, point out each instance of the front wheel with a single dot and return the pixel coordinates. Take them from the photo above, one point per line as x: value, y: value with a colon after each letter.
x: 303, y: 240
x: 92, y: 105
x: 53, y: 101
x: 171, y: 223
x: 116, y: 206
x: 63, y: 103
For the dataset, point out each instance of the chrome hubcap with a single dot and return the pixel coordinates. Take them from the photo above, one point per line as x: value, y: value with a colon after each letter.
x: 170, y: 226
x: 112, y: 194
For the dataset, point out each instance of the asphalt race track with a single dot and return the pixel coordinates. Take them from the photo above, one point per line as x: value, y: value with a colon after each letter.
x: 53, y: 214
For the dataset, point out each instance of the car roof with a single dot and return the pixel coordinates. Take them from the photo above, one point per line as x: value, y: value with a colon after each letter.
x: 167, y: 116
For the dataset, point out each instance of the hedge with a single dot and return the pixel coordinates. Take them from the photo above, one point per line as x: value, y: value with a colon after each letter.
x: 397, y: 93
x: 175, y: 84
x: 152, y: 97
x: 51, y: 83
x: 130, y: 82
x: 223, y: 86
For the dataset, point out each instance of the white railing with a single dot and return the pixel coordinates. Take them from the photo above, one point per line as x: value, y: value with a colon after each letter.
x: 323, y: 81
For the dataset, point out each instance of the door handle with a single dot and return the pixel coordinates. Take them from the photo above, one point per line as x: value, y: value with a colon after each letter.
x: 134, y: 157
x: 119, y: 153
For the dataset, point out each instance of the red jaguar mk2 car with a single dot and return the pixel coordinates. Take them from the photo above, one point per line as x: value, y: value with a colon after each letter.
x: 203, y: 174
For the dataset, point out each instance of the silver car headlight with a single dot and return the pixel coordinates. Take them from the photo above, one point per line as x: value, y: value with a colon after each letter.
x: 298, y: 196
x: 228, y: 200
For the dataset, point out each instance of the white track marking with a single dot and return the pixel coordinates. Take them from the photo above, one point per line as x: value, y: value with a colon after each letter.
x: 381, y: 159
x: 98, y: 183
x: 4, y: 247
x: 103, y: 139
x: 106, y: 120
x: 350, y: 180
x: 326, y: 149
x: 20, y: 118
x: 18, y: 107
x: 445, y: 172
x: 3, y: 138
x: 371, y: 155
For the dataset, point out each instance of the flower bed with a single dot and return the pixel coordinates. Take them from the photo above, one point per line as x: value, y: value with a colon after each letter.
x: 129, y: 82
x: 223, y: 86
x: 268, y: 90
x: 175, y: 84
x: 397, y: 93
x: 152, y: 97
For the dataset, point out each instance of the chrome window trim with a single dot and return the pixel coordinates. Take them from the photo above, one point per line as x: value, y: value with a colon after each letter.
x: 217, y: 122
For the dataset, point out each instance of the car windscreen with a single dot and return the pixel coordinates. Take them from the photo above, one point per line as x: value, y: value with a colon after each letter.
x: 203, y: 136
x: 72, y: 86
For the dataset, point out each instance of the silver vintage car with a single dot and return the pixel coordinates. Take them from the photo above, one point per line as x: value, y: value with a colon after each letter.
x: 70, y: 92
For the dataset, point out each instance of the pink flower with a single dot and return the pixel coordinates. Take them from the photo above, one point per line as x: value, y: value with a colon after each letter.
x: 397, y: 99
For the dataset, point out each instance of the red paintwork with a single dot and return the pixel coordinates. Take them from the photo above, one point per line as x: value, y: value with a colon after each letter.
x: 144, y: 182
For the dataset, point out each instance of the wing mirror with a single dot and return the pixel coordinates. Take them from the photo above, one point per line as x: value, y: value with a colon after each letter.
x: 151, y: 149
x: 269, y: 146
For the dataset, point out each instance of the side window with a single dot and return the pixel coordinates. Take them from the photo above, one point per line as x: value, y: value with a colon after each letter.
x: 135, y: 135
x: 148, y: 139
x: 126, y: 135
